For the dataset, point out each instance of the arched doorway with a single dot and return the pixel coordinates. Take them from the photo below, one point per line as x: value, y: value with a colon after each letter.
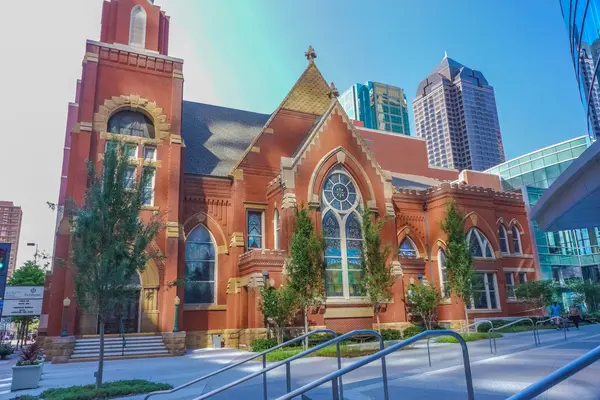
x: 125, y: 317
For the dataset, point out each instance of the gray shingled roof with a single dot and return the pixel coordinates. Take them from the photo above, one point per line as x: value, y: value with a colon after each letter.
x: 216, y: 137
x: 406, y: 181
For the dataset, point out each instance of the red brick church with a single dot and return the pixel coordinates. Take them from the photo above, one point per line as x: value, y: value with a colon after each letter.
x: 228, y: 182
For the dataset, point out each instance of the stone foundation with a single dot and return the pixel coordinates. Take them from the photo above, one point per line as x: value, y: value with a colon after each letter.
x: 175, y: 342
x: 230, y: 338
x: 59, y: 349
x: 454, y: 324
x: 401, y: 326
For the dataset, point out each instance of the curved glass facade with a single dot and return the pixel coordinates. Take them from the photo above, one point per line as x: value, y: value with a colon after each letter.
x: 582, y: 19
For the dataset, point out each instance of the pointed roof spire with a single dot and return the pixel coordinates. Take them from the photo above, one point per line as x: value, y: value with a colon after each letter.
x: 445, y: 54
x: 333, y: 92
x: 310, y: 55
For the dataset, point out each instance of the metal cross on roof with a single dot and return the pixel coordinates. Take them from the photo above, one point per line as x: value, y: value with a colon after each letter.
x: 310, y: 54
x: 333, y: 92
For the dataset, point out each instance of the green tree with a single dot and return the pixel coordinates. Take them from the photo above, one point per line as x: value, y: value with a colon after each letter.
x: 538, y: 294
x: 459, y: 263
x: 279, y: 306
x: 30, y: 274
x: 305, y: 267
x: 110, y: 239
x: 377, y: 280
x: 424, y: 300
x: 586, y: 292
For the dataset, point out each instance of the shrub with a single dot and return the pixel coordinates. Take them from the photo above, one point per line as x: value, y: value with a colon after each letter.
x: 468, y: 337
x: 260, y: 345
x: 30, y: 355
x: 411, y: 331
x: 319, y: 338
x: 391, y: 334
x: 106, y: 391
x: 5, y: 350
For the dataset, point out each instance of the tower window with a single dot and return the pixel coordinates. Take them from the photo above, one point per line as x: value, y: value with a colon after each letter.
x: 137, y: 27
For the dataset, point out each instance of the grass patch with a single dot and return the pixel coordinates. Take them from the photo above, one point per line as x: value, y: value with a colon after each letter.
x: 329, y: 351
x: 108, y: 390
x: 468, y: 337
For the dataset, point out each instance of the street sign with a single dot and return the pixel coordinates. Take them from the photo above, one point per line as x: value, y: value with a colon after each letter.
x: 14, y: 308
x: 24, y: 292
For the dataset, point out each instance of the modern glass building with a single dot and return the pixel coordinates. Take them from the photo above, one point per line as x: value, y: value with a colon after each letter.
x: 582, y: 19
x: 455, y: 112
x: 378, y: 106
x: 563, y: 255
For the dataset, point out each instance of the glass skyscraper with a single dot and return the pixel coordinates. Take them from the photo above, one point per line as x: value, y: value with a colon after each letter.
x: 582, y: 19
x: 563, y: 255
x: 378, y: 106
x: 455, y: 112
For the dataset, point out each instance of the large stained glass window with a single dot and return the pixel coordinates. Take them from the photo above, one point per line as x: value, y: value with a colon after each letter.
x: 200, y: 267
x: 342, y: 232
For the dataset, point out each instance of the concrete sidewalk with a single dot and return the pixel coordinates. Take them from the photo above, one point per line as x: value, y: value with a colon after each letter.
x: 517, y: 364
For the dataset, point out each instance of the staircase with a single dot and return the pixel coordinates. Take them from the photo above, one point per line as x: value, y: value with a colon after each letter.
x: 88, y: 349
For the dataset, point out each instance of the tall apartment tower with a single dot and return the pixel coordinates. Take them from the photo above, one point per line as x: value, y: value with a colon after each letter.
x: 588, y: 57
x: 10, y: 230
x: 378, y: 105
x: 455, y: 111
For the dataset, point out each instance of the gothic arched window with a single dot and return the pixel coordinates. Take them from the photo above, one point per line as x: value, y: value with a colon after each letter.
x: 445, y: 288
x: 276, y: 230
x: 407, y: 248
x: 342, y: 231
x: 516, y: 236
x: 503, y: 239
x: 137, y: 27
x: 131, y: 123
x: 480, y: 246
x: 200, y: 267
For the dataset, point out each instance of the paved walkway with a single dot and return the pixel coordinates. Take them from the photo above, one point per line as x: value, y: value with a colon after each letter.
x: 517, y: 364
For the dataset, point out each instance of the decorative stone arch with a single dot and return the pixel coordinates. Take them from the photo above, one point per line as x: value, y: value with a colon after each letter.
x: 340, y: 156
x: 514, y: 222
x: 437, y: 245
x: 202, y: 218
x: 500, y: 221
x: 414, y: 236
x: 132, y: 102
x: 474, y: 220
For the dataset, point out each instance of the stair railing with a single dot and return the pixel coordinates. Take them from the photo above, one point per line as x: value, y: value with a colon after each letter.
x: 565, y: 323
x: 334, y: 376
x: 533, y: 326
x: 253, y: 357
x: 462, y: 330
x: 543, y: 385
x: 286, y: 362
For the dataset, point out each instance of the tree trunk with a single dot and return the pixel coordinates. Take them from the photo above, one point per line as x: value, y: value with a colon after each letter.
x: 101, y: 357
x: 377, y: 317
x: 466, y: 315
x: 305, y: 327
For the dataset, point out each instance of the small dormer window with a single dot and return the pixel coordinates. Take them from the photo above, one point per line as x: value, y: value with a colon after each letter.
x: 137, y: 27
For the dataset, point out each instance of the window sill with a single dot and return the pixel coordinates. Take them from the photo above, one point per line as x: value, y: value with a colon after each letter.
x: 150, y: 208
x: 482, y: 311
x: 204, y: 307
x: 514, y: 301
x: 342, y: 300
x: 446, y: 301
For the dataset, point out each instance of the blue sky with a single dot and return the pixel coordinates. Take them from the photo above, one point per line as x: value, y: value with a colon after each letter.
x: 248, y: 53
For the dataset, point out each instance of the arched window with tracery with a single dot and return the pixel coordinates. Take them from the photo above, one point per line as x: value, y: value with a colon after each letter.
x: 479, y: 244
x: 342, y: 233
x: 137, y: 27
x: 200, y: 267
x: 445, y: 288
x: 131, y: 123
x: 407, y: 248
x: 276, y: 229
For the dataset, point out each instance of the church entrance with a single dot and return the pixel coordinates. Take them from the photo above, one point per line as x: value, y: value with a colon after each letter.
x: 125, y: 317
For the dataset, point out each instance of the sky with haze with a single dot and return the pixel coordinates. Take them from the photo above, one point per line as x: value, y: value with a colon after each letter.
x: 248, y: 53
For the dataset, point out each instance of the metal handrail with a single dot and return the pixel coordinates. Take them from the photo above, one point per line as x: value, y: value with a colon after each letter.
x: 558, y: 376
x: 286, y: 362
x: 333, y: 377
x: 535, y: 338
x: 227, y: 368
x: 476, y: 323
x: 557, y: 318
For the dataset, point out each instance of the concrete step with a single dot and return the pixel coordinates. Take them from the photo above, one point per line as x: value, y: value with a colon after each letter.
x: 118, y: 353
x: 120, y: 350
x: 119, y: 339
x: 120, y: 343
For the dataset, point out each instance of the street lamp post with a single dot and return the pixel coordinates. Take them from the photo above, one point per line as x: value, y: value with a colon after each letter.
x: 176, y: 325
x: 66, y: 304
x: 35, y: 255
x: 265, y: 275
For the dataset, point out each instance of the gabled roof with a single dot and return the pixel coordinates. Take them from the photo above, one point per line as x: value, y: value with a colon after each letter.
x: 216, y: 137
